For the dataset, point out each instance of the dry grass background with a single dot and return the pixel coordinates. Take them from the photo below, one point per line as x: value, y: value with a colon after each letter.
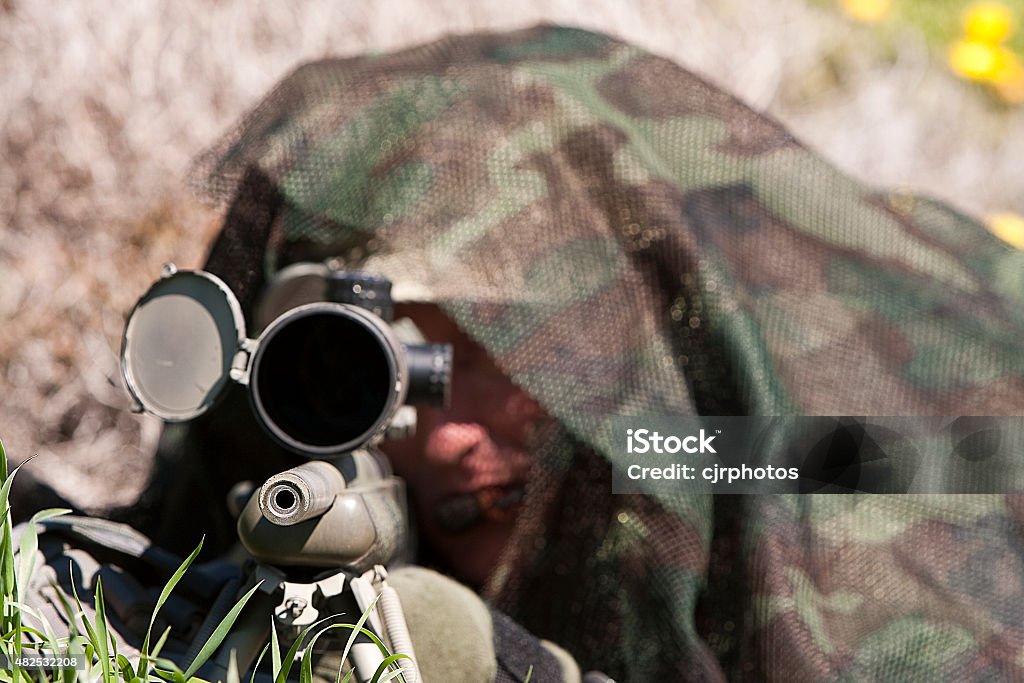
x: 105, y: 102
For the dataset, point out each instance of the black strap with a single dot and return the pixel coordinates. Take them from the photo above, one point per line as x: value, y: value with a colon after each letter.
x: 119, y: 544
x: 517, y: 651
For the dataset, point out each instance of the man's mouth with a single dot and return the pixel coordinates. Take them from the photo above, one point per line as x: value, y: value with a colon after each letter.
x: 460, y: 512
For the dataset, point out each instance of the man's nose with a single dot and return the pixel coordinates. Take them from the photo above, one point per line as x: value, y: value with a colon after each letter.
x: 450, y: 441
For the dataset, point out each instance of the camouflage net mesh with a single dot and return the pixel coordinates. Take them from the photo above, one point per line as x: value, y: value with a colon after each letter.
x: 625, y: 239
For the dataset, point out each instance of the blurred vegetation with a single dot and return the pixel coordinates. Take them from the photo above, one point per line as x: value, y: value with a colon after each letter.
x: 982, y: 41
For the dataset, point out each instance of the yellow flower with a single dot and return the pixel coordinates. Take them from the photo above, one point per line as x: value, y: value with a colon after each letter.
x: 1008, y: 227
x: 988, y: 22
x: 976, y: 60
x: 1008, y: 79
x: 992, y: 64
x: 869, y: 11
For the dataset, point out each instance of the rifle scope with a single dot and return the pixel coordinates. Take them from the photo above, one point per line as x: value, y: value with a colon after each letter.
x: 328, y: 376
x: 325, y: 376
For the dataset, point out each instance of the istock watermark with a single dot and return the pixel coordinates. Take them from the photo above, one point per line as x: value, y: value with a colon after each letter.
x: 831, y: 454
x: 653, y: 442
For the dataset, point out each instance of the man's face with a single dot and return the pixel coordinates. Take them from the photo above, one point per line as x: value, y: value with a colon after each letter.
x: 467, y: 465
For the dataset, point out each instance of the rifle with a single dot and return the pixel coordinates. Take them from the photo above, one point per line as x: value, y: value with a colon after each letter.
x: 329, y: 376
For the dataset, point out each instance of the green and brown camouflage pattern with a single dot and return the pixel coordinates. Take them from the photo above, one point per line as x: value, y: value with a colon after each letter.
x: 627, y: 239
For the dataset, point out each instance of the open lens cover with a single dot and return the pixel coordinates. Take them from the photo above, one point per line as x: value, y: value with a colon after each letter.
x: 179, y: 344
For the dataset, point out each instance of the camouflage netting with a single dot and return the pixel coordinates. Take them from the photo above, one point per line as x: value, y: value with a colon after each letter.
x: 625, y: 239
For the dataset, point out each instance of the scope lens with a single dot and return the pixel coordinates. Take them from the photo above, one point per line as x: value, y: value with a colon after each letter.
x: 323, y: 380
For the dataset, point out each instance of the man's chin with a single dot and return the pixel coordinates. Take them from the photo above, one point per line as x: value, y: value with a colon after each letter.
x: 473, y: 553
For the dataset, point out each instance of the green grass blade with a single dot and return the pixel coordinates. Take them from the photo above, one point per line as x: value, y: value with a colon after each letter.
x: 529, y: 674
x: 101, y: 668
x: 160, y: 642
x: 259, y: 660
x: 30, y: 611
x: 76, y: 643
x: 66, y: 608
x: 74, y: 639
x: 388, y: 661
x: 359, y: 626
x: 306, y: 672
x: 102, y: 646
x: 390, y: 676
x: 112, y: 638
x: 220, y: 632
x: 275, y: 650
x: 306, y: 667
x: 89, y: 630
x: 14, y: 673
x: 8, y: 577
x: 166, y: 592
x: 167, y: 671
x: 127, y: 672
x: 289, y: 659
x: 5, y: 490
x: 372, y: 636
x: 172, y: 676
x: 48, y: 636
x: 30, y: 545
x: 72, y: 646
x: 7, y: 585
x: 91, y: 664
x: 68, y: 675
x: 38, y: 643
